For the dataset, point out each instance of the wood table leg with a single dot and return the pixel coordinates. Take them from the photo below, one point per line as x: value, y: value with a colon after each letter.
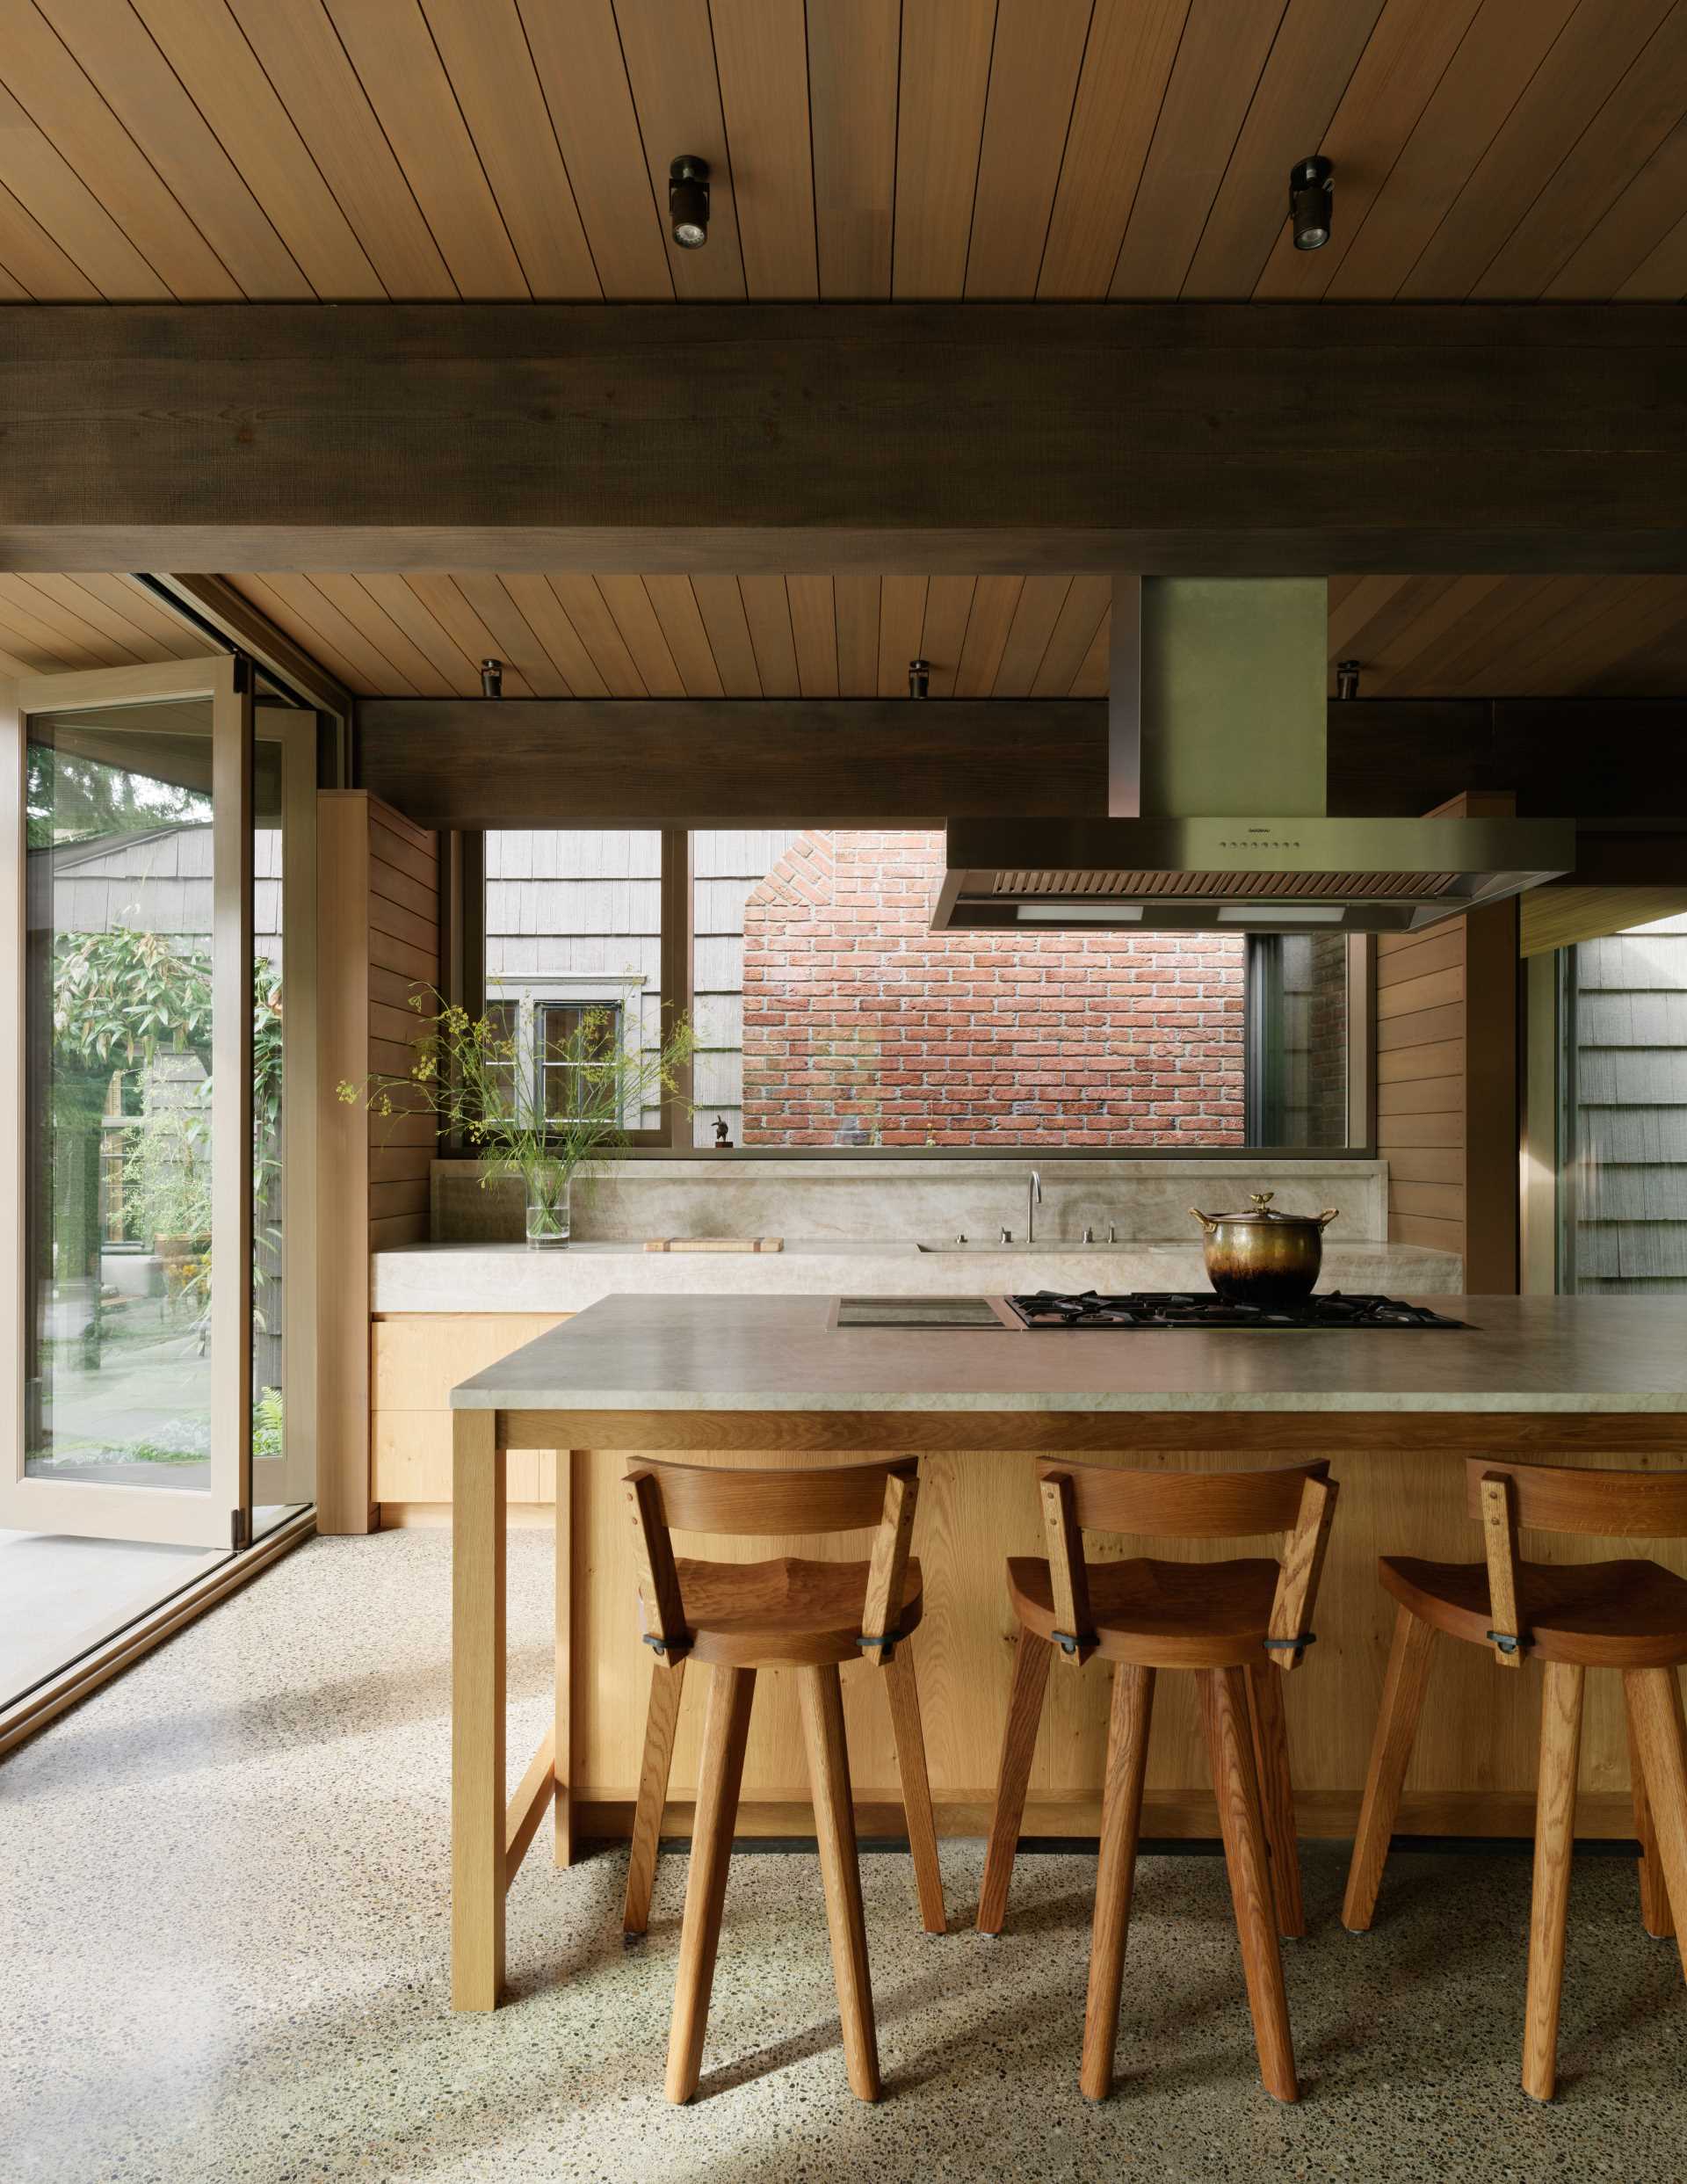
x: 1224, y: 1703
x: 1391, y: 1754
x: 1121, y: 1821
x: 1656, y: 1915
x: 477, y: 1711
x: 1654, y: 1696
x: 1276, y: 1796
x: 563, y: 1459
x: 1019, y: 1742
x: 904, y: 1691
x: 667, y: 1684
x: 822, y: 1695
x: 1561, y: 1751
x: 726, y: 1729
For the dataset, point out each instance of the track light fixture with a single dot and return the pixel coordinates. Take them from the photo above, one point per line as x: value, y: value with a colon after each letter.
x: 491, y: 678
x: 1309, y: 201
x: 688, y: 200
x: 919, y: 678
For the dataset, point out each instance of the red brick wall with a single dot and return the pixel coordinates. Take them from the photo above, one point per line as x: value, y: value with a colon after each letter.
x: 863, y: 1027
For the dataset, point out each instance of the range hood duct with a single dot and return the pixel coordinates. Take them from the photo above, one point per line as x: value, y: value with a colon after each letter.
x: 1216, y: 796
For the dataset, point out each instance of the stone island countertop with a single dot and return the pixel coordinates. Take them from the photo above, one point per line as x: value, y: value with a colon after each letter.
x: 783, y: 1353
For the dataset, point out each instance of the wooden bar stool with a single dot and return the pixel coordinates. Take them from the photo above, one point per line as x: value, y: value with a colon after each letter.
x: 740, y: 1617
x: 1572, y: 1616
x: 1235, y: 1623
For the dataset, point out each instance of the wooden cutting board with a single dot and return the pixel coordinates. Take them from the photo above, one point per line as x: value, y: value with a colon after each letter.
x: 714, y: 1244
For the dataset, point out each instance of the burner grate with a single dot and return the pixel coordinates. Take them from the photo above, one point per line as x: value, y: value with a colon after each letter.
x: 1168, y: 1308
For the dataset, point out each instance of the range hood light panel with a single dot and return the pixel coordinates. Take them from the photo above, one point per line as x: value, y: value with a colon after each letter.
x: 1282, y: 913
x: 1079, y: 913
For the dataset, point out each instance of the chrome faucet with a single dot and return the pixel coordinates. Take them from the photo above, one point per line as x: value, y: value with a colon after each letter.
x: 1033, y: 1200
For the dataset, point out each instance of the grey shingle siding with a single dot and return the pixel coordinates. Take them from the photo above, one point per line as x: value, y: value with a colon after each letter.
x: 570, y: 905
x: 1628, y: 1169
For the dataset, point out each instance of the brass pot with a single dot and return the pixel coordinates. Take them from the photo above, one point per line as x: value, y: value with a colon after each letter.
x: 1263, y: 1257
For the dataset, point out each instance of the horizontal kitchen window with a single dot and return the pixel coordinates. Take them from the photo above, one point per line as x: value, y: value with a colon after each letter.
x: 829, y: 1018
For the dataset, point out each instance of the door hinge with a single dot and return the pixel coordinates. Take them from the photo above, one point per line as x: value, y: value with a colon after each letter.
x: 240, y: 1529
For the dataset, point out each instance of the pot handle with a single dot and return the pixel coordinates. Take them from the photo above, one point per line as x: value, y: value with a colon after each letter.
x: 1205, y: 1220
x: 1328, y: 1215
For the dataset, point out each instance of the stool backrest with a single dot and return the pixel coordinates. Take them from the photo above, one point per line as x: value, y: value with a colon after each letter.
x: 756, y: 1504
x: 1605, y: 1505
x: 1184, y: 1504
x: 1561, y: 1498
x: 1299, y: 1500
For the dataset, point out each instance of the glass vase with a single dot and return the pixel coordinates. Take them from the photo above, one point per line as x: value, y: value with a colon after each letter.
x: 547, y: 1207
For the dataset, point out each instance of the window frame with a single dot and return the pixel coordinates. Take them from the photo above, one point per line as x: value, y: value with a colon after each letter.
x: 673, y: 1140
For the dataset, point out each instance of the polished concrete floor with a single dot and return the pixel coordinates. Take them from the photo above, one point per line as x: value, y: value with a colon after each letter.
x: 223, y: 1928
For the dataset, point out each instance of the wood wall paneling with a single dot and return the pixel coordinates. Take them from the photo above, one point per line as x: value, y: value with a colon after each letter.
x: 1447, y: 1073
x: 378, y: 923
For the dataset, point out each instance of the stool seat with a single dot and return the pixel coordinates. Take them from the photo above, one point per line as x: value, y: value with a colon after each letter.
x: 784, y: 1613
x: 1630, y: 1614
x: 1161, y: 1614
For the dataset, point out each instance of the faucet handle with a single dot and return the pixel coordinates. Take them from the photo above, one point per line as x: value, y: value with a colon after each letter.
x: 1089, y: 1234
x: 1007, y: 1236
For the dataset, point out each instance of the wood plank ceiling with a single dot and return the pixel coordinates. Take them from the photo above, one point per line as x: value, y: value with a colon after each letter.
x: 996, y: 636
x: 49, y: 623
x: 275, y: 149
x: 272, y: 150
x: 853, y: 636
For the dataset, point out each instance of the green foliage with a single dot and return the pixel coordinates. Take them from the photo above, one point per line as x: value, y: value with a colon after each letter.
x: 118, y: 997
x: 268, y: 1427
x: 468, y: 1078
x: 167, y: 1168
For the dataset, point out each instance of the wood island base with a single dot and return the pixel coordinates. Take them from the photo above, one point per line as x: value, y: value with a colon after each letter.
x: 1401, y: 1477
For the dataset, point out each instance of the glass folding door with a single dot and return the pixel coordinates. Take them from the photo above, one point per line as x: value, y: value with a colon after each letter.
x: 126, y: 1122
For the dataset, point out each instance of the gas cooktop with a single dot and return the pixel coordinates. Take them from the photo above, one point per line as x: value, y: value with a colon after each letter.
x: 1162, y: 1309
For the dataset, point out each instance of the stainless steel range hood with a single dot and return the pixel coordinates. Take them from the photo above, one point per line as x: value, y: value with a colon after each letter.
x: 1216, y: 796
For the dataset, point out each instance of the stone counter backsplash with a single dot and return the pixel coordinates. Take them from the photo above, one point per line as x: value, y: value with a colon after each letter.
x: 917, y: 1200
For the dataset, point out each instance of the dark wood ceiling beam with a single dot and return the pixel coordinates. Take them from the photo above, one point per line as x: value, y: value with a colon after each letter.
x: 1272, y: 439
x: 475, y: 762
x: 729, y: 761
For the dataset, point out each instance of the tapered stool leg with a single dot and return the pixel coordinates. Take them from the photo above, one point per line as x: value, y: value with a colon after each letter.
x: 1019, y: 1742
x: 1121, y: 1821
x: 660, y: 1722
x: 1276, y: 1796
x: 1654, y: 1696
x: 1656, y: 1915
x: 726, y: 1727
x: 1391, y: 1754
x: 904, y: 1693
x: 1560, y: 1748
x: 828, y: 1772
x: 1224, y: 1703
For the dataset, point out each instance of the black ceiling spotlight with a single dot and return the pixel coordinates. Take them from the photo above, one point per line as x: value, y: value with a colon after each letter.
x: 919, y: 678
x: 1309, y: 201
x: 688, y: 200
x: 1347, y: 679
x: 491, y: 678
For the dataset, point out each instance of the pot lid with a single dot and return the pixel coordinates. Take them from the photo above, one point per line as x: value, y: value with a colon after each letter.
x: 1262, y: 1209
